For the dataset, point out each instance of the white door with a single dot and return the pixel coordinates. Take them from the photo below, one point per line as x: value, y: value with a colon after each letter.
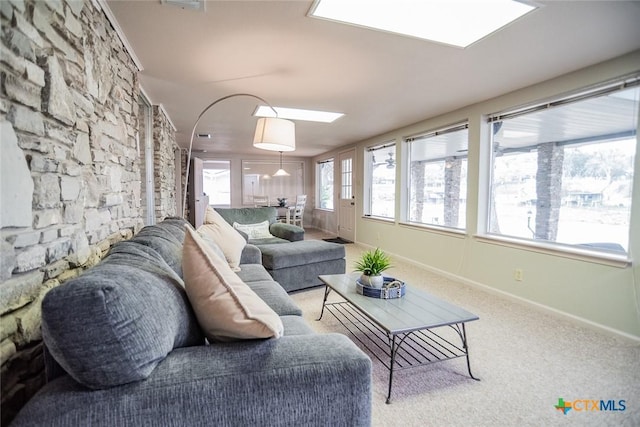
x: 346, y: 198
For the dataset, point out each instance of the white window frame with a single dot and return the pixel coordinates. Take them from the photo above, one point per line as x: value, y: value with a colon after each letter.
x: 575, y: 251
x: 449, y: 154
x: 368, y: 210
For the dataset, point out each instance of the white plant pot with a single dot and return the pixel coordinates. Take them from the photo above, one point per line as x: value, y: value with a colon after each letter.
x: 372, y: 281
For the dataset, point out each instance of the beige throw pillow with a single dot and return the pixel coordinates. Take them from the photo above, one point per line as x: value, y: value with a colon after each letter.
x: 259, y: 230
x: 210, y: 215
x: 226, y: 308
x: 226, y: 237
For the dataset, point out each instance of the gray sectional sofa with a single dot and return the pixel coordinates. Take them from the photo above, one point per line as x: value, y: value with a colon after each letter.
x: 123, y: 347
x: 291, y: 261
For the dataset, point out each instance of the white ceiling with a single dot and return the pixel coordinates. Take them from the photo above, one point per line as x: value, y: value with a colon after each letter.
x: 381, y: 81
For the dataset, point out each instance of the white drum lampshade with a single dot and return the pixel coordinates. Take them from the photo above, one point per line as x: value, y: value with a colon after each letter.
x: 275, y: 134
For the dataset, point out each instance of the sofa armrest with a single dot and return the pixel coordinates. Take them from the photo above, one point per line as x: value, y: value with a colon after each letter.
x: 251, y: 255
x: 289, y: 232
x: 294, y: 380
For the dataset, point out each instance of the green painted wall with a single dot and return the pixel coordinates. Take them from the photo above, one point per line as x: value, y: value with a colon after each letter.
x: 605, y: 296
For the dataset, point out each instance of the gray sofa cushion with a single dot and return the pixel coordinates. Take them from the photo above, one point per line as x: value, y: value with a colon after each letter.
x: 276, y: 297
x: 296, y: 325
x: 118, y: 320
x: 305, y: 252
x: 166, y: 239
x: 306, y: 276
x: 297, y: 380
x: 253, y: 273
x: 251, y: 255
x: 268, y: 241
x: 288, y: 232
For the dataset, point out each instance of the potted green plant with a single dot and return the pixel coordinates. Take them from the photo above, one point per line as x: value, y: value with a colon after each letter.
x: 372, y: 264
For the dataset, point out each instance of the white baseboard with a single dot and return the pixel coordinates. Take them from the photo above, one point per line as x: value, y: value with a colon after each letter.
x: 553, y: 311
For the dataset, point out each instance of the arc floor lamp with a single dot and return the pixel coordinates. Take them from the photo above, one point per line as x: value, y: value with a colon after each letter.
x: 272, y: 133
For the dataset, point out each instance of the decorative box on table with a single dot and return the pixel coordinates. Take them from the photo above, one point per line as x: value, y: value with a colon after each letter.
x: 391, y: 288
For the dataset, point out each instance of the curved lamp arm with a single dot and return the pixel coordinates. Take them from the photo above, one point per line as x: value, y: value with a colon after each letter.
x: 193, y: 131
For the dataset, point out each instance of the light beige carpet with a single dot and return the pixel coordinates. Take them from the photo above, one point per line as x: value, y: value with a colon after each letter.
x: 526, y: 359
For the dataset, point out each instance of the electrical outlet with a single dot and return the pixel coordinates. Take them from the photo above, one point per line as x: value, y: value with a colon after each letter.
x: 518, y: 274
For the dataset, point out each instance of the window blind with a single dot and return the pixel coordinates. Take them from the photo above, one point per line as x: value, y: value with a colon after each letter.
x: 443, y: 131
x: 381, y: 147
x: 602, y: 90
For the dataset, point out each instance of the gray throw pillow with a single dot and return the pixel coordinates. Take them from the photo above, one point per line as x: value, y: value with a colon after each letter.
x: 117, y: 321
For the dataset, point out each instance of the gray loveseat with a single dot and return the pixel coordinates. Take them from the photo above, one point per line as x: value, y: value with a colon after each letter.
x: 291, y: 261
x: 123, y: 347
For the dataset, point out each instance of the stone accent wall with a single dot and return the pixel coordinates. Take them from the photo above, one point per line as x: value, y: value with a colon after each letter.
x: 164, y: 146
x: 71, y: 173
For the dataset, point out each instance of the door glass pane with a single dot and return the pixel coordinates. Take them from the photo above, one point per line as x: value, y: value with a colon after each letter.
x: 347, y: 177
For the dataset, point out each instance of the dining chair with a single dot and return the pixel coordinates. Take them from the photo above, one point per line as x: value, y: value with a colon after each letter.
x: 297, y: 212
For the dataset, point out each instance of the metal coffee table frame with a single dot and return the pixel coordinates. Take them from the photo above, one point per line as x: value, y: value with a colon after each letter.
x: 397, y: 339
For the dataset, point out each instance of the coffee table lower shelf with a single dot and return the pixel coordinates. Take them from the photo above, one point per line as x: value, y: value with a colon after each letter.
x: 397, y: 351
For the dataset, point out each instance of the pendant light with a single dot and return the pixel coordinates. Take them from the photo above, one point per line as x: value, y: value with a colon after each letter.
x: 281, y: 172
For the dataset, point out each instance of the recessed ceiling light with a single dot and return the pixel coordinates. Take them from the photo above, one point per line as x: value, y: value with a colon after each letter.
x: 297, y: 114
x: 454, y: 22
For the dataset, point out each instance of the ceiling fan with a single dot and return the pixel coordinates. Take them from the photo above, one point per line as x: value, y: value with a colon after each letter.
x: 390, y: 162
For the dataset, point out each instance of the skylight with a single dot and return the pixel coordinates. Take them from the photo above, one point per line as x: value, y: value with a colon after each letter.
x: 454, y: 22
x: 298, y: 114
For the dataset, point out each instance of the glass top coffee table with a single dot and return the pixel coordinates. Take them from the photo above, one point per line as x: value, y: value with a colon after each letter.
x: 400, y: 332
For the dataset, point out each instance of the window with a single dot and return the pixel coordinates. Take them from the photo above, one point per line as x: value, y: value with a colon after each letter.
x: 562, y: 172
x: 380, y: 181
x: 438, y: 177
x: 216, y: 181
x: 258, y: 180
x: 324, y: 178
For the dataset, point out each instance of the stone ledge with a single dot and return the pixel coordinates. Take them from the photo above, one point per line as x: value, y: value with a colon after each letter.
x: 20, y: 290
x: 7, y: 350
